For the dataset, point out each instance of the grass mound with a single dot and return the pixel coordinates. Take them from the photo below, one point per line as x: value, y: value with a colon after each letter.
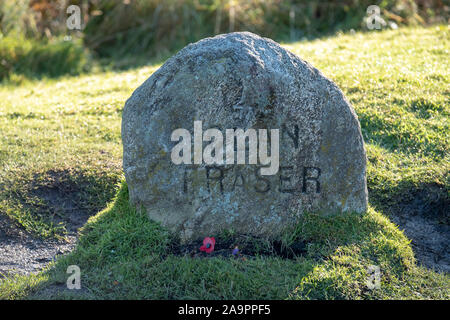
x: 123, y: 255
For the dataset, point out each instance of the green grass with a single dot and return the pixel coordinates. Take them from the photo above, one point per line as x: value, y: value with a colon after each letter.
x: 69, y: 130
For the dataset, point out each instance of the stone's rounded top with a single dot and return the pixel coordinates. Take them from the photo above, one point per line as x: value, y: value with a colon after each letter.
x: 246, y: 46
x: 240, y: 81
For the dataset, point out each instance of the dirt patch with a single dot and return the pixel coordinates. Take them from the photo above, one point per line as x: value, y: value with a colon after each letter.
x: 424, y: 215
x: 64, y: 197
x: 71, y: 197
x: 248, y: 247
x: 61, y: 199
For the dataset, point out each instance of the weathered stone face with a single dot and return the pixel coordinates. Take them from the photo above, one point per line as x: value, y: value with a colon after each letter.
x: 241, y: 80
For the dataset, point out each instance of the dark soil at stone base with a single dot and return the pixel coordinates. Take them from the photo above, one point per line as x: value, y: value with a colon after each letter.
x: 247, y: 246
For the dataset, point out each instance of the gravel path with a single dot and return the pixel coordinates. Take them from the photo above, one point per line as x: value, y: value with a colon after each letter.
x: 21, y: 253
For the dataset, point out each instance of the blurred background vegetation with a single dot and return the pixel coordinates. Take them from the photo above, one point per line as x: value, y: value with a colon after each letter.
x: 35, y: 40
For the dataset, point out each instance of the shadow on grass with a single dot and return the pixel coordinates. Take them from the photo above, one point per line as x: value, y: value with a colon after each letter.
x: 41, y: 212
x: 53, y: 202
x: 395, y: 137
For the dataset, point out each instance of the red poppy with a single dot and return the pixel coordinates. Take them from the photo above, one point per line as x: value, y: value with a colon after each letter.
x: 208, y: 244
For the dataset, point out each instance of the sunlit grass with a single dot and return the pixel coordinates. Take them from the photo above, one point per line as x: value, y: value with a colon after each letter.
x: 397, y: 81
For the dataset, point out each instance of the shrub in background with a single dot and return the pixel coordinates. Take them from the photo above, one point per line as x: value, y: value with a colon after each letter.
x: 31, y: 40
x: 32, y: 29
x: 33, y: 58
x: 137, y: 26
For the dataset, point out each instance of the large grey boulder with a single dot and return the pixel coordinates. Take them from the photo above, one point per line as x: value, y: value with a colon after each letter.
x: 240, y: 80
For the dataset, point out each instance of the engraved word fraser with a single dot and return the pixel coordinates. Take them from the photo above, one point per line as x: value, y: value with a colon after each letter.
x: 216, y: 176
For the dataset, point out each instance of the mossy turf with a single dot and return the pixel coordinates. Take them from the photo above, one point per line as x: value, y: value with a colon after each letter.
x: 398, y: 82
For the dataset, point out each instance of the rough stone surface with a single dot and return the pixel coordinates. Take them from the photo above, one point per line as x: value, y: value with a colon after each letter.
x: 240, y: 80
